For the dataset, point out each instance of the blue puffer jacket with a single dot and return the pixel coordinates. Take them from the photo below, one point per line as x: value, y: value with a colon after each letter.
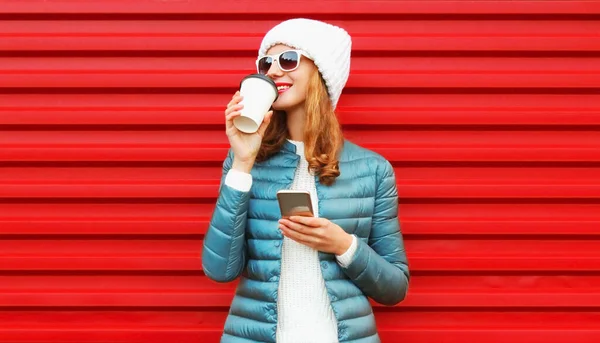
x: 244, y: 240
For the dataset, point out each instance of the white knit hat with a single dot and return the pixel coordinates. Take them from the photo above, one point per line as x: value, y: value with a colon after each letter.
x: 327, y: 45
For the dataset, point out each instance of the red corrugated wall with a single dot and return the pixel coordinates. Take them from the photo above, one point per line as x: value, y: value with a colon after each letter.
x: 112, y: 141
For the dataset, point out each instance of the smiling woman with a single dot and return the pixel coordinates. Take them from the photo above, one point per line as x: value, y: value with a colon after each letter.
x: 304, y: 111
x: 289, y: 70
x: 305, y: 280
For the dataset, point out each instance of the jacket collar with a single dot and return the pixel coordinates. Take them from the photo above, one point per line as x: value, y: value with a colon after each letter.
x: 289, y: 147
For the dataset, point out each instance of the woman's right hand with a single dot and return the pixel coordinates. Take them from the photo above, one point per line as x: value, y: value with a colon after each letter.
x: 245, y: 146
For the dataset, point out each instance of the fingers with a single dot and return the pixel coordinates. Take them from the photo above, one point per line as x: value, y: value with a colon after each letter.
x: 234, y: 104
x: 233, y: 115
x: 295, y: 226
x: 301, y: 231
x: 308, y: 221
x: 299, y: 236
x: 229, y: 119
x: 236, y: 98
x: 233, y: 109
x: 265, y: 123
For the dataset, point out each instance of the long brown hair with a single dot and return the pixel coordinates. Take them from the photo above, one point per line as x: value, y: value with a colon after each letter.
x: 323, y: 138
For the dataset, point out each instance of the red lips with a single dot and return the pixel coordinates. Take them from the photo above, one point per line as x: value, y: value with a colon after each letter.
x: 285, y: 86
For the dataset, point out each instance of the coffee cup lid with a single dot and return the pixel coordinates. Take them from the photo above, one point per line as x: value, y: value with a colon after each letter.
x: 263, y: 77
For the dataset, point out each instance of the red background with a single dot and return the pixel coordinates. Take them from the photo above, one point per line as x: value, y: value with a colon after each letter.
x: 112, y: 142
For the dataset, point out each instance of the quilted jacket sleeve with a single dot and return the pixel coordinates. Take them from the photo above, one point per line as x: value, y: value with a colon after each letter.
x: 380, y: 268
x: 224, y: 251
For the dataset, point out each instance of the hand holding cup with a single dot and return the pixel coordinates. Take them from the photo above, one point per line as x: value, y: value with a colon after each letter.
x: 247, y: 117
x: 245, y: 146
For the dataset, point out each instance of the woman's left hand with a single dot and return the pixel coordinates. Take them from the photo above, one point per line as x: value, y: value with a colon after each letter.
x: 317, y: 233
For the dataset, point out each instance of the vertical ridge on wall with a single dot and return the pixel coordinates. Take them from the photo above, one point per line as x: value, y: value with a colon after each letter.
x: 112, y: 143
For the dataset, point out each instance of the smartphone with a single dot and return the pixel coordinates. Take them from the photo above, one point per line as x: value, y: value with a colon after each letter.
x: 294, y: 203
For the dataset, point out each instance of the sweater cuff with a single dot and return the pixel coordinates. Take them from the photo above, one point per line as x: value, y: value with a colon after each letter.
x: 345, y: 259
x: 238, y: 180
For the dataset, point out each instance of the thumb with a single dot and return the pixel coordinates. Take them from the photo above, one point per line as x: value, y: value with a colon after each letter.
x: 265, y: 123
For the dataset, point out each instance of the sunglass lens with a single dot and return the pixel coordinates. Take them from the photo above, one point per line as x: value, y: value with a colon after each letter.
x: 264, y: 64
x: 289, y: 60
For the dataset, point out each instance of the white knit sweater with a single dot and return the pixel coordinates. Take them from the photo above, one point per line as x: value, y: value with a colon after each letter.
x: 303, y: 305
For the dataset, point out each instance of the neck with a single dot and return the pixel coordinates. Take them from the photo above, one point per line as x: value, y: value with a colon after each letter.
x: 295, y: 123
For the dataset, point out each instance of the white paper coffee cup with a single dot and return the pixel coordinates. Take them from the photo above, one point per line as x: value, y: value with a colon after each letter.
x: 259, y: 93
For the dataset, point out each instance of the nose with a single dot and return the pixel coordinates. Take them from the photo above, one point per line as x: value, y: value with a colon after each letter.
x: 274, y: 71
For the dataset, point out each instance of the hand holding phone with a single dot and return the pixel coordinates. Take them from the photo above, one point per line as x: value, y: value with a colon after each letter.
x: 295, y: 203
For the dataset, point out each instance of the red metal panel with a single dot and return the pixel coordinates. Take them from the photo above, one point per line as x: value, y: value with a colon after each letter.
x: 376, y: 72
x: 112, y: 144
x: 316, y: 7
x: 369, y: 37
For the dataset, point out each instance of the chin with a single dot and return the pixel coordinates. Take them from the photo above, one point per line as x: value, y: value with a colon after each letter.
x: 281, y: 107
x: 283, y: 104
